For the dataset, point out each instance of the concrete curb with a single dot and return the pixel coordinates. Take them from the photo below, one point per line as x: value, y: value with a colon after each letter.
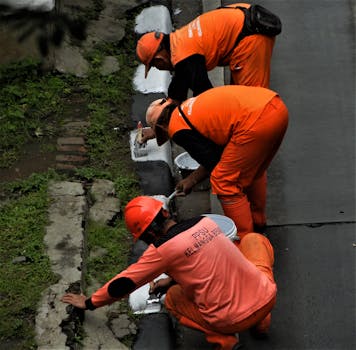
x: 64, y: 241
x: 58, y: 324
x: 157, y: 331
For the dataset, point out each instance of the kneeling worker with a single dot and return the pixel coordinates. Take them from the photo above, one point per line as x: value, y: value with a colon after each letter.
x: 213, y: 286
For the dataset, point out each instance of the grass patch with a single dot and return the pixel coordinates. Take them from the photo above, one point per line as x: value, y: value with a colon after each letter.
x: 116, y: 242
x: 29, y: 105
x: 31, y: 101
x: 24, y: 267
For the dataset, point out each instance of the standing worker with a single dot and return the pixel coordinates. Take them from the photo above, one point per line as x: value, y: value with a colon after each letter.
x: 233, y: 132
x: 229, y: 36
x: 218, y: 293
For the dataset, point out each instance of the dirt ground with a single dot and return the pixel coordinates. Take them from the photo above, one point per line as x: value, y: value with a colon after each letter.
x: 39, y: 155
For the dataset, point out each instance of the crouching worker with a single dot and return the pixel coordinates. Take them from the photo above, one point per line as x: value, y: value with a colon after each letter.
x: 213, y: 286
x: 233, y: 132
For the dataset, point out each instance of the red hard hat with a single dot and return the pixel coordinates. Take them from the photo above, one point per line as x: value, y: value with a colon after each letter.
x: 139, y: 214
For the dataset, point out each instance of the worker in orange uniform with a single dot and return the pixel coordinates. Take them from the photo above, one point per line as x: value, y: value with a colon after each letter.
x: 215, y: 38
x: 219, y: 294
x: 233, y: 132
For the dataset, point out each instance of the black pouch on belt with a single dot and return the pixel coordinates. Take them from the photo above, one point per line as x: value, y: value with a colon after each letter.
x: 259, y: 20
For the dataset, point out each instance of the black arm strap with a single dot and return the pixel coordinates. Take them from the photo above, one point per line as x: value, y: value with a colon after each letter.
x: 243, y: 32
x: 187, y: 120
x: 207, y: 141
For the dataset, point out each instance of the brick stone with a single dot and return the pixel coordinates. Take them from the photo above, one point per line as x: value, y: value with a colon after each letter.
x: 71, y: 141
x: 69, y: 158
x: 62, y: 166
x: 72, y: 148
x: 75, y: 128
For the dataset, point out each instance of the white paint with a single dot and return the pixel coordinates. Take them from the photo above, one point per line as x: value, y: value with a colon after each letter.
x: 154, y: 152
x: 154, y: 18
x: 177, y: 11
x: 34, y: 5
x: 138, y: 298
x: 156, y: 82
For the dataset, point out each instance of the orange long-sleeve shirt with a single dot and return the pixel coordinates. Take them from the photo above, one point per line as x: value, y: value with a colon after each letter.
x: 213, y: 273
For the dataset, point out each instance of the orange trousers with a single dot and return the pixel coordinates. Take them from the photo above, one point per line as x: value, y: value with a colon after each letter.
x: 250, y: 63
x: 240, y: 178
x: 259, y: 251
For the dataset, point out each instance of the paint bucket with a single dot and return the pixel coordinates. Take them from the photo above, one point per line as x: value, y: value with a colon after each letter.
x: 186, y: 165
x: 226, y: 225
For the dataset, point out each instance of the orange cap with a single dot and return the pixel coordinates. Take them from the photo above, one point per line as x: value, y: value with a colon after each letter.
x: 147, y: 47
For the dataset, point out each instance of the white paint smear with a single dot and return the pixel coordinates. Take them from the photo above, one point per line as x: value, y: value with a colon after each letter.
x: 34, y: 5
x: 157, y: 81
x: 154, y: 18
x: 138, y: 298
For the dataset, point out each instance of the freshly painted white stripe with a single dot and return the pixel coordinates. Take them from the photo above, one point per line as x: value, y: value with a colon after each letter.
x: 154, y: 152
x: 157, y: 81
x: 34, y: 5
x: 154, y: 18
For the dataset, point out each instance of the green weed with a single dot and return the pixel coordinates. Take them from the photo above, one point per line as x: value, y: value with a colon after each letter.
x: 22, y: 223
x: 29, y: 99
x: 116, y: 242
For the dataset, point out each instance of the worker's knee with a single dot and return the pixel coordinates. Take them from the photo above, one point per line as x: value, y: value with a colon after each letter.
x: 258, y: 249
x: 172, y: 297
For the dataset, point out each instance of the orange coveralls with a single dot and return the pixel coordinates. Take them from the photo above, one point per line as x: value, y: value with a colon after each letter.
x: 250, y: 122
x: 214, y: 34
x: 222, y: 290
x: 259, y: 251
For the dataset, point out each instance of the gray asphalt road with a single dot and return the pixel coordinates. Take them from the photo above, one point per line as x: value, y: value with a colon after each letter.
x: 312, y: 180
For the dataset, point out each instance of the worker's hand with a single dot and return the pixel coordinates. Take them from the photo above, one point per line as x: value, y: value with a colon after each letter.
x: 190, y: 181
x: 160, y: 287
x: 77, y: 300
x: 147, y: 134
x: 185, y: 186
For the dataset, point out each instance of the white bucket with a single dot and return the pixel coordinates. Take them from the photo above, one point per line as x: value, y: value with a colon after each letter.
x: 186, y: 165
x: 226, y: 225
